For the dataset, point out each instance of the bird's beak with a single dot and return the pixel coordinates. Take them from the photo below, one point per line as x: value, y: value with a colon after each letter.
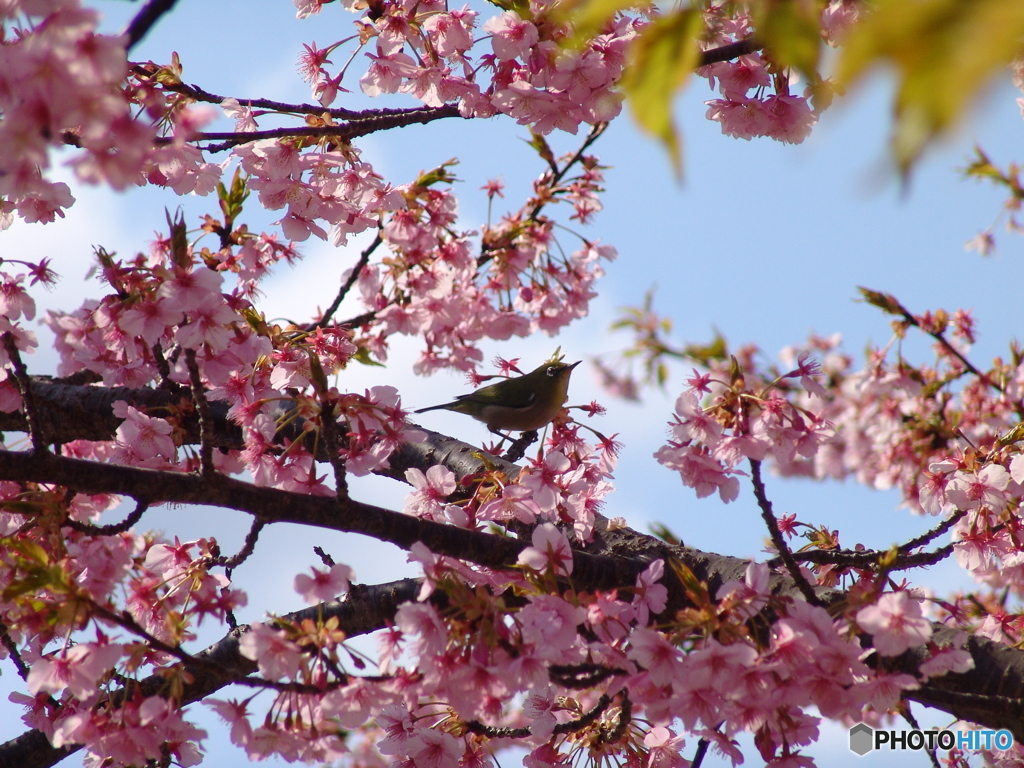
x: 575, y: 364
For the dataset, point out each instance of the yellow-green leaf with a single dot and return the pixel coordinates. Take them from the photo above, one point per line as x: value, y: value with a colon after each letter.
x: 439, y: 175
x: 362, y: 355
x: 522, y: 7
x: 540, y: 145
x: 791, y: 32
x: 944, y: 53
x: 589, y: 17
x: 661, y: 58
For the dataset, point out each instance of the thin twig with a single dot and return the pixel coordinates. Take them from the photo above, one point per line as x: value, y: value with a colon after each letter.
x: 780, y: 545
x: 324, y: 556
x: 230, y: 563
x: 935, y: 532
x: 145, y: 19
x: 125, y: 621
x: 625, y: 718
x: 359, y: 320
x: 517, y: 449
x: 594, y: 135
x: 12, y: 650
x: 163, y: 367
x: 870, y: 558
x: 364, y: 259
x: 344, y: 132
x: 909, y: 717
x: 200, y: 94
x: 940, y: 337
x: 904, y: 559
x: 206, y: 467
x: 329, y: 431
x: 28, y: 400
x: 114, y: 528
x: 562, y: 728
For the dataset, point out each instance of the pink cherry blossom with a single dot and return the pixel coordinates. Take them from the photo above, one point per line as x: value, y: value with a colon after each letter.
x: 78, y: 669
x: 277, y: 656
x: 548, y: 624
x: 431, y: 491
x: 985, y: 488
x: 550, y: 550
x: 895, y: 623
x: 511, y: 35
x: 324, y: 586
x: 650, y: 596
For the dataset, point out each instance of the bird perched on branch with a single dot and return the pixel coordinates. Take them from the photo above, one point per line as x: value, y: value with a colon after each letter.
x: 518, y: 404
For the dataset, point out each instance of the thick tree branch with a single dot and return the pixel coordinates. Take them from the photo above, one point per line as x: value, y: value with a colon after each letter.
x: 68, y: 412
x: 275, y: 506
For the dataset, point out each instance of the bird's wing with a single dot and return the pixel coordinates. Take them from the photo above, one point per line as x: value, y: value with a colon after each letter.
x: 484, y: 397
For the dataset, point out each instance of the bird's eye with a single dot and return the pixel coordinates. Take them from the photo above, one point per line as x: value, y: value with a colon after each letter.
x: 552, y: 370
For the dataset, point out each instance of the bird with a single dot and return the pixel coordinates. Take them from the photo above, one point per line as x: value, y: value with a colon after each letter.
x: 517, y: 404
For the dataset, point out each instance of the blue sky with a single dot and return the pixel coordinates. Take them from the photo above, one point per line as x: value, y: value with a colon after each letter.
x: 763, y: 241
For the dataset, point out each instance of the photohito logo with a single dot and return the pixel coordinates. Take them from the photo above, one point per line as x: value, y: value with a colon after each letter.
x: 864, y: 739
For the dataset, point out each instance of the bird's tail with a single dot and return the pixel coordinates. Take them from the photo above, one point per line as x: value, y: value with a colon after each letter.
x: 432, y: 408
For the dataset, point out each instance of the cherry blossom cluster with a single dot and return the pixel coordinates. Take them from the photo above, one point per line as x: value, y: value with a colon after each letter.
x: 577, y: 676
x: 485, y: 658
x: 167, y: 319
x: 946, y: 435
x: 62, y: 83
x: 750, y: 420
x: 425, y: 50
x: 565, y: 482
x: 756, y: 95
x: 55, y: 584
x: 56, y: 74
x: 331, y: 185
x: 432, y: 285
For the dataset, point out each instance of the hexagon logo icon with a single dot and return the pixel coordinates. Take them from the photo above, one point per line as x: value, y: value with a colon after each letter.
x: 862, y: 739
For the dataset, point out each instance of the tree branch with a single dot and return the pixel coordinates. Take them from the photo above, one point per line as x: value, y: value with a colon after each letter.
x: 276, y: 506
x: 144, y: 20
x: 345, y: 131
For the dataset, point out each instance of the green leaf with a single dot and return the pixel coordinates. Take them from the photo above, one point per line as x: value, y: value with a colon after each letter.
x: 541, y: 147
x: 705, y: 354
x: 179, y: 248
x: 791, y: 31
x: 362, y: 355
x: 884, y: 301
x: 522, y: 7
x: 662, y: 56
x: 589, y: 17
x: 439, y: 175
x: 663, y: 532
x: 944, y: 53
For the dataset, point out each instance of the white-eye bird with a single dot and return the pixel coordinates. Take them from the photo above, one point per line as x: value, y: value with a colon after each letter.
x: 519, y: 404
